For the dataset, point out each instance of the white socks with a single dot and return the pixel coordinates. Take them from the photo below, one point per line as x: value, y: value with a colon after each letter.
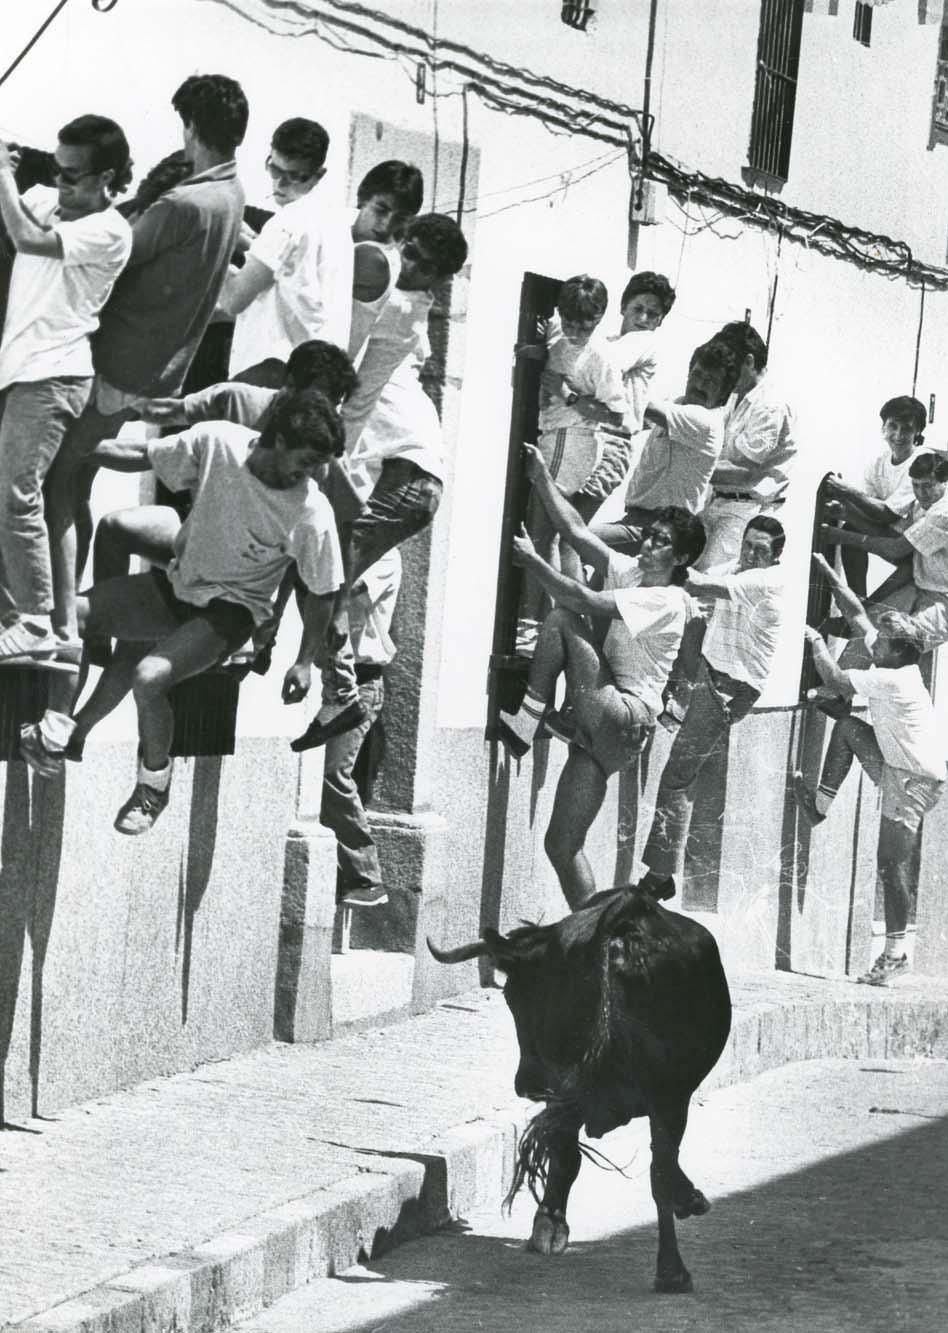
x: 526, y: 720
x: 895, y: 944
x: 56, y: 730
x: 159, y: 779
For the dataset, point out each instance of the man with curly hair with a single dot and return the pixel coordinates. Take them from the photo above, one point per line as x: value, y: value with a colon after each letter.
x: 71, y: 245
x: 151, y: 326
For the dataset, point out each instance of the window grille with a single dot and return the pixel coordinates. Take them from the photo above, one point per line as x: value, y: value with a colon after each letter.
x: 778, y: 59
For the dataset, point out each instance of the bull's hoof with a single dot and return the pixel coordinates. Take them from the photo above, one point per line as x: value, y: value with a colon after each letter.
x: 550, y: 1234
x: 674, y: 1284
x: 696, y: 1206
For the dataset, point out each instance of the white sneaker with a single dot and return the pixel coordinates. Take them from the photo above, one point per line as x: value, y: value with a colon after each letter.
x: 23, y: 642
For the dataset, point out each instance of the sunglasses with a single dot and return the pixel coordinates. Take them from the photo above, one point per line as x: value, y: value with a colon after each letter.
x: 287, y: 177
x: 69, y: 177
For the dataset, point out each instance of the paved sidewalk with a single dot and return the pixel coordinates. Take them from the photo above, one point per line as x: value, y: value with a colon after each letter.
x: 192, y: 1202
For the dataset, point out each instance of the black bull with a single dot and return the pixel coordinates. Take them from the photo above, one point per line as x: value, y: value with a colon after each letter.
x: 621, y: 1009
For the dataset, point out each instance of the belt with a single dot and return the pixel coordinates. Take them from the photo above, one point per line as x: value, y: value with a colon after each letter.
x: 734, y: 495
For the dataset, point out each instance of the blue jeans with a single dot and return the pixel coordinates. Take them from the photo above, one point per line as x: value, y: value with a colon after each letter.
x: 34, y: 418
x: 342, y: 811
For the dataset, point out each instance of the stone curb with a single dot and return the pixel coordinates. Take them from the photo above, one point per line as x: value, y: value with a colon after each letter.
x: 236, y: 1274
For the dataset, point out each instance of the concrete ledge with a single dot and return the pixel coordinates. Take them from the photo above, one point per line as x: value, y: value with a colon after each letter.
x: 236, y: 1274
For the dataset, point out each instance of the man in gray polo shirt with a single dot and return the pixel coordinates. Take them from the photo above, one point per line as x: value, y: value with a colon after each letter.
x: 159, y: 308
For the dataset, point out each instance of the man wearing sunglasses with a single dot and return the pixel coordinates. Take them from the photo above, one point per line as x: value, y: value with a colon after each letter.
x: 71, y: 244
x: 615, y: 648
x: 296, y: 282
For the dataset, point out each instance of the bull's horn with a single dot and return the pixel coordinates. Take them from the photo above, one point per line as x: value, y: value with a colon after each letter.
x: 459, y: 955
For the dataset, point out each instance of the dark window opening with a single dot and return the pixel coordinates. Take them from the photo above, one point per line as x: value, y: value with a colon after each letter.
x: 576, y: 14
x: 862, y: 23
x: 778, y: 59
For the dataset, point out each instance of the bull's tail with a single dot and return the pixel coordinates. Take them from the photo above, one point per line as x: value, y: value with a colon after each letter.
x: 538, y: 1142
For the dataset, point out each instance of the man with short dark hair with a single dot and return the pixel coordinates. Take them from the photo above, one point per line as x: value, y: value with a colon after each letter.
x: 752, y: 474
x: 71, y: 245
x: 919, y: 548
x: 296, y: 282
x: 389, y: 195
x: 256, y: 508
x: 899, y: 748
x: 682, y: 449
x: 736, y: 654
x: 886, y: 494
x: 393, y: 441
x: 159, y: 309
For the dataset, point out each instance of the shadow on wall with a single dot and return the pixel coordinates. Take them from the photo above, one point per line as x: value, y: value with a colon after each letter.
x: 195, y: 874
x: 31, y: 849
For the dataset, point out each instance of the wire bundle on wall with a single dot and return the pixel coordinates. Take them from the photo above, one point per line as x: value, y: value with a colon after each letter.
x: 507, y: 88
x: 564, y: 109
x: 817, y: 231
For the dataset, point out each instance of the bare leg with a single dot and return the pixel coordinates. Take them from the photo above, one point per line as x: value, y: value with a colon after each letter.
x: 189, y: 650
x: 579, y: 796
x: 147, y: 530
x: 110, y: 689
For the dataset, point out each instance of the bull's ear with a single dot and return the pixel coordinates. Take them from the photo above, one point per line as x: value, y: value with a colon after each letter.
x: 525, y: 945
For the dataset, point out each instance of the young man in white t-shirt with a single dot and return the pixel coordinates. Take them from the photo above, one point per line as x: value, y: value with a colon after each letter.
x: 615, y: 679
x: 677, y: 459
x: 736, y: 653
x: 71, y: 245
x: 296, y: 282
x: 256, y: 507
x: 899, y: 749
x: 919, y: 549
x: 886, y: 495
x: 393, y: 435
x: 646, y: 300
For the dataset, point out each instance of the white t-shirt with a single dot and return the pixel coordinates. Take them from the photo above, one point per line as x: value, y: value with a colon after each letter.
x: 404, y: 424
x: 676, y: 462
x: 241, y: 535
x: 903, y: 718
x: 890, y: 482
x: 371, y: 611
x: 927, y: 531
x: 307, y: 246
x: 744, y: 625
x: 641, y: 646
x: 591, y: 370
x: 53, y: 304
x: 760, y: 433
x: 634, y: 354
